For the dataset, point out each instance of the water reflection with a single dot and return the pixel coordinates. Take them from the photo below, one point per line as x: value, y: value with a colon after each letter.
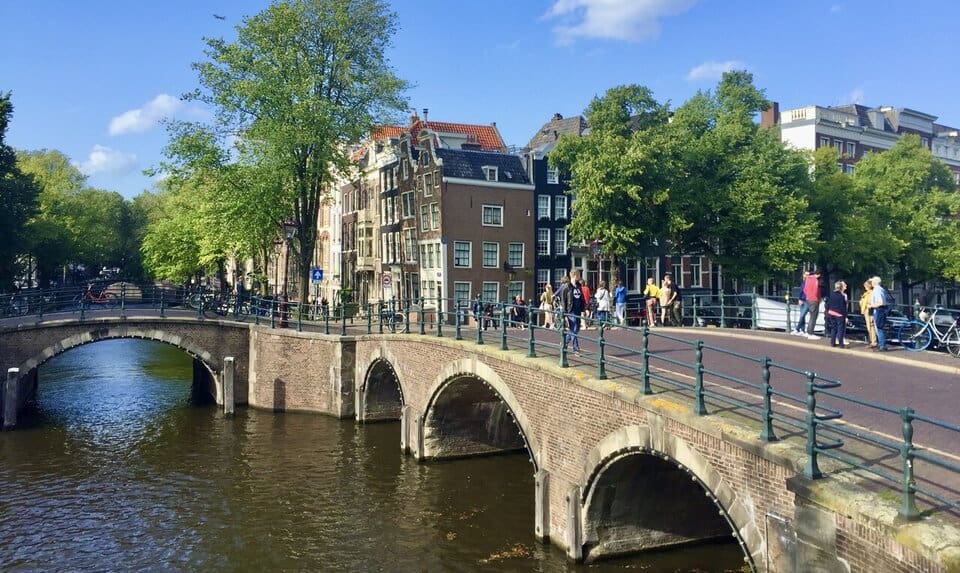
x: 117, y: 469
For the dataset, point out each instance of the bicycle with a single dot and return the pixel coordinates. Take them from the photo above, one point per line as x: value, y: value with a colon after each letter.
x: 915, y: 335
x: 102, y: 299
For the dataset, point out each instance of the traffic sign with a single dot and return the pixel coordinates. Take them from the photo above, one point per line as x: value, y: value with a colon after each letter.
x: 386, y: 280
x: 316, y: 275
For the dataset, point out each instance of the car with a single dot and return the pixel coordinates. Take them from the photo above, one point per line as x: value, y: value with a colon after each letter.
x: 857, y: 326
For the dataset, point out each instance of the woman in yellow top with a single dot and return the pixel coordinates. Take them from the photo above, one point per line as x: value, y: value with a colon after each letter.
x: 546, y: 305
x: 867, y: 315
x: 650, y: 295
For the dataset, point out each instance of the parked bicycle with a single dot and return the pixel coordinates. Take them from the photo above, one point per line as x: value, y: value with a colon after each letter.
x: 212, y: 304
x: 91, y: 298
x: 915, y: 335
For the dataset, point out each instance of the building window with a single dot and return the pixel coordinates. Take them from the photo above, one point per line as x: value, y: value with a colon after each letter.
x: 824, y: 142
x: 515, y: 289
x: 677, y: 266
x: 956, y: 178
x: 543, y: 277
x: 489, y: 173
x: 553, y: 175
x: 491, y: 291
x: 558, y: 275
x: 515, y: 255
x: 407, y: 204
x: 427, y: 184
x: 851, y: 149
x: 491, y: 255
x: 560, y: 241
x: 633, y: 277
x: 560, y: 207
x: 543, y: 206
x: 406, y: 169
x: 848, y: 169
x: 492, y: 215
x: 695, y: 270
x: 838, y: 145
x: 461, y: 292
x: 543, y: 242
x: 462, y: 252
x: 925, y: 142
x: 409, y: 246
x: 434, y: 216
x: 424, y: 218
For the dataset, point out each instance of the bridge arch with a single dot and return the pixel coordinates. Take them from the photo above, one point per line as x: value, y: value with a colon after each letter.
x: 639, y: 494
x: 380, y: 395
x: 483, y: 410
x: 100, y: 333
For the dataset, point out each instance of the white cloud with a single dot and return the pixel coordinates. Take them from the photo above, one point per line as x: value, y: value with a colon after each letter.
x: 145, y: 118
x: 631, y: 20
x: 713, y: 70
x: 105, y: 160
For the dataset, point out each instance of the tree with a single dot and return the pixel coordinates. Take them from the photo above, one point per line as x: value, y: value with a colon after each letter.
x: 917, y: 210
x: 303, y: 80
x: 616, y: 179
x: 18, y: 195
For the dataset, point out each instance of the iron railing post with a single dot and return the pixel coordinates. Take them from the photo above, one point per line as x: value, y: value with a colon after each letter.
x: 601, y: 360
x: 563, y: 340
x: 695, y: 300
x: 420, y: 319
x: 83, y: 305
x: 438, y: 316
x: 257, y: 303
x: 753, y: 311
x: 274, y: 308
x: 480, y: 319
x: 343, y: 318
x: 645, y: 355
x: 766, y: 434
x: 162, y: 291
x: 369, y: 318
x: 200, y: 304
x: 812, y: 469
x: 699, y: 407
x: 723, y: 311
x: 531, y: 324
x: 123, y: 299
x: 503, y: 326
x: 456, y: 321
x: 299, y: 317
x: 908, y: 509
x: 380, y: 311
x: 40, y: 304
x: 786, y: 299
x: 406, y: 316
x: 326, y: 318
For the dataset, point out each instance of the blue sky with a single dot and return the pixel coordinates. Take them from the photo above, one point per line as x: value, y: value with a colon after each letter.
x: 93, y: 78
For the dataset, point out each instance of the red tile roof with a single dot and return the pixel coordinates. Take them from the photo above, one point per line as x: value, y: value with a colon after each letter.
x: 486, y: 135
x: 386, y: 132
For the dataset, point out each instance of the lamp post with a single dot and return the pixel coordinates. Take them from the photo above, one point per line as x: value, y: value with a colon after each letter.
x: 289, y: 232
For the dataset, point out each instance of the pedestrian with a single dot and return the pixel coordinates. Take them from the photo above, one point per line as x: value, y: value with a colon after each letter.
x: 573, y: 306
x: 238, y: 291
x: 811, y: 288
x: 650, y: 294
x: 546, y: 306
x: 837, y: 314
x: 880, y: 305
x: 676, y: 307
x: 558, y: 300
x: 488, y: 317
x: 603, y: 302
x: 620, y: 299
x: 477, y: 310
x: 518, y: 312
x: 804, y: 309
x: 666, y: 297
x: 867, y: 315
x: 588, y: 303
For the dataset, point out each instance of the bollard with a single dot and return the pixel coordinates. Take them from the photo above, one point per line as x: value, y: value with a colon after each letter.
x: 457, y: 319
x: 908, y: 509
x: 228, y: 375
x: 645, y: 355
x: 812, y: 469
x: 601, y: 367
x: 766, y: 434
x: 699, y: 407
x: 10, y: 399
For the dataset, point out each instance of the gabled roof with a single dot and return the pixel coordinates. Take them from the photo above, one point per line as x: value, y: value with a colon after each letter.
x: 486, y: 136
x: 467, y: 164
x: 557, y: 126
x: 386, y: 132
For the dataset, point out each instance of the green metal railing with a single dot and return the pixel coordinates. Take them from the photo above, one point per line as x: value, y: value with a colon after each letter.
x: 786, y: 401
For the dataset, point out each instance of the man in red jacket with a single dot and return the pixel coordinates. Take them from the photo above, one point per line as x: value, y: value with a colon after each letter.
x: 811, y: 289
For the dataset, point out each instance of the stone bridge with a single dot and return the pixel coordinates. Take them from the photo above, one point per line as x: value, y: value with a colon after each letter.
x: 615, y: 471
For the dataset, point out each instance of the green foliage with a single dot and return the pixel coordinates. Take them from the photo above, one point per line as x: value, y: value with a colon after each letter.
x: 18, y: 196
x: 303, y: 79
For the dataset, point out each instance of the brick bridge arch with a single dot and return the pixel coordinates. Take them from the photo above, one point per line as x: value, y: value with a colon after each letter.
x: 628, y: 461
x: 379, y: 394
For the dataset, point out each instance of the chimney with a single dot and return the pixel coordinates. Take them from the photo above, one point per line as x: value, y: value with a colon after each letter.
x: 770, y: 116
x: 425, y: 112
x: 557, y: 116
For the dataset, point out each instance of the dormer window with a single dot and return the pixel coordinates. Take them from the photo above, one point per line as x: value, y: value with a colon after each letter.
x: 553, y: 175
x: 489, y: 173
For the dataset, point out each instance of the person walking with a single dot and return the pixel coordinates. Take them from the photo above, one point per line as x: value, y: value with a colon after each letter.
x: 880, y: 305
x: 587, y: 301
x: 546, y: 306
x: 804, y: 309
x: 650, y: 294
x: 837, y: 314
x: 867, y: 315
x: 620, y: 300
x: 603, y: 302
x: 811, y: 289
x: 666, y: 297
x: 518, y: 313
x: 573, y: 305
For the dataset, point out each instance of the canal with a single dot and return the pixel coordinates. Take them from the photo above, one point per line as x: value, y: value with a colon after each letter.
x: 118, y: 467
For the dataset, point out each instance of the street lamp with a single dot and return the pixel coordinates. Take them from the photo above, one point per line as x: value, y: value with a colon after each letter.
x: 289, y: 232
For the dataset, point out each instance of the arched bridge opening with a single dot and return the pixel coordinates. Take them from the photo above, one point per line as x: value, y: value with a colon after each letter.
x: 640, y: 500
x: 468, y: 417
x: 380, y: 398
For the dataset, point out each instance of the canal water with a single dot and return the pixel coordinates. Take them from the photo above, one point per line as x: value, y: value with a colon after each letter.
x: 119, y: 468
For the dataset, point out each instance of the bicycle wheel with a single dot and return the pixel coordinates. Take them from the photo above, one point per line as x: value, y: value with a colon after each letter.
x: 110, y: 301
x: 953, y: 342
x: 914, y: 336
